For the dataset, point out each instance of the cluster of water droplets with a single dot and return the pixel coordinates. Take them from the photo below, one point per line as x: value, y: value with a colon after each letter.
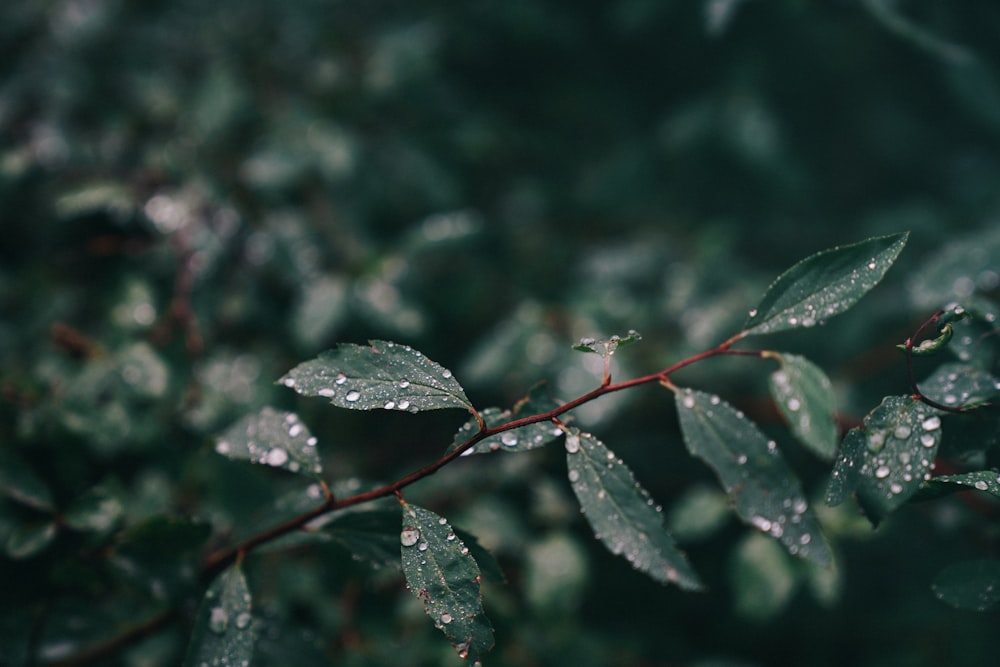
x: 272, y: 438
x: 893, y: 461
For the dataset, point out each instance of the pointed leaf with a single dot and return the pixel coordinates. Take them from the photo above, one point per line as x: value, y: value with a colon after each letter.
x: 222, y: 633
x: 381, y: 375
x: 972, y: 585
x: 273, y: 438
x: 522, y: 439
x: 606, y: 347
x: 622, y: 513
x: 891, y: 457
x: 444, y: 576
x: 805, y: 398
x: 766, y: 492
x: 824, y: 285
x: 987, y: 481
x: 372, y: 535
x: 958, y: 384
x: 847, y: 471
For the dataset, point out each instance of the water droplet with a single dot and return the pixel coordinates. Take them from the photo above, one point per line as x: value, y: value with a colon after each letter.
x: 341, y: 378
x: 741, y: 459
x: 276, y: 457
x: 871, y: 265
x: 295, y: 430
x: 404, y: 383
x: 876, y: 440
x: 327, y: 392
x: 352, y: 396
x: 981, y: 485
x: 902, y: 432
x: 794, y: 404
x: 932, y: 423
x: 895, y: 488
x: 442, y: 521
x: 288, y: 382
x: 450, y: 537
x: 715, y: 400
x: 311, y: 441
x: 882, y: 472
x: 508, y: 438
x: 409, y: 537
x: 389, y: 405
x: 927, y: 440
x: 688, y: 401
x: 761, y: 523
x: 446, y: 618
x: 422, y: 546
x: 805, y: 538
x: 572, y: 444
x: 753, y: 312
x: 222, y: 447
x: 243, y: 620
x: 574, y: 476
x: 218, y: 620
x: 446, y: 374
x: 404, y: 404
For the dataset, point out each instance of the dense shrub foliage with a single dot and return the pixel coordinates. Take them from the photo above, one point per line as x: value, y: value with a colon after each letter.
x: 322, y: 323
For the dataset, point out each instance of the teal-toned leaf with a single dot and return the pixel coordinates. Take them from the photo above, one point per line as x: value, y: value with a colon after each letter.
x: 443, y: 575
x: 765, y: 491
x: 700, y: 513
x: 30, y: 539
x: 272, y: 437
x: 987, y: 481
x: 371, y: 536
x: 223, y: 633
x: 522, y: 439
x: 824, y: 285
x: 847, y: 471
x: 161, y: 555
x: 972, y: 585
x: 488, y: 565
x: 805, y: 398
x: 958, y: 384
x: 20, y: 483
x: 607, y: 346
x: 381, y: 375
x: 622, y: 513
x: 891, y: 457
x: 959, y: 270
x: 98, y: 510
x: 763, y: 579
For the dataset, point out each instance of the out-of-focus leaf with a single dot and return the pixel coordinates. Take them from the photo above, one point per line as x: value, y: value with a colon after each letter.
x: 488, y: 565
x: 766, y: 492
x: 622, y: 513
x: 890, y: 458
x: 972, y: 585
x: 321, y: 308
x: 699, y: 513
x: 19, y: 482
x: 522, y: 439
x: 381, y: 375
x: 957, y: 384
x: 762, y: 577
x: 30, y: 538
x: 273, y: 438
x: 824, y: 285
x: 804, y: 396
x: 222, y: 632
x: 443, y: 575
x: 161, y: 555
x: 98, y: 510
x: 371, y: 536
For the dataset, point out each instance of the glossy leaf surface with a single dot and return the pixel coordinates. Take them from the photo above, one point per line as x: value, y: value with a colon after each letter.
x: 765, y: 491
x: 441, y: 572
x: 985, y: 481
x: 223, y: 633
x: 959, y: 384
x: 972, y: 585
x: 274, y: 438
x: 804, y: 396
x: 824, y: 285
x: 381, y: 375
x: 522, y: 439
x: 622, y: 513
x: 887, y: 461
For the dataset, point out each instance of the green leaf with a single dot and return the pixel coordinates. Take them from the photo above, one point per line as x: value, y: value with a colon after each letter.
x: 824, y: 285
x: 766, y: 492
x: 957, y: 384
x: 987, y: 481
x: 622, y: 513
x: 805, y: 398
x: 699, y: 513
x: 161, y: 555
x: 606, y: 347
x: 382, y: 375
x: 20, y: 483
x: 763, y: 580
x: 972, y: 585
x: 521, y: 439
x: 98, y: 510
x: 372, y: 536
x: 443, y: 575
x: 29, y: 539
x: 223, y: 633
x: 273, y: 438
x: 887, y: 461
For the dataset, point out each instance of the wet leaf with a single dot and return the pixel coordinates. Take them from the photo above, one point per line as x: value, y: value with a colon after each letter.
x: 765, y: 491
x: 972, y: 585
x: 522, y: 439
x: 986, y: 481
x: 887, y: 461
x: 223, y: 633
x: 381, y: 375
x: 20, y: 483
x: 606, y: 347
x: 957, y: 384
x: 371, y: 536
x: 443, y: 575
x: 824, y: 285
x: 622, y: 513
x: 805, y: 398
x: 272, y: 437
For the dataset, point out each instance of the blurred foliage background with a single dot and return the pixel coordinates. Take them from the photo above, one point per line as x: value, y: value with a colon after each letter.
x: 197, y: 196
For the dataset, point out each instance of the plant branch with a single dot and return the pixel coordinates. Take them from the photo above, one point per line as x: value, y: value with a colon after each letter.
x: 911, y: 374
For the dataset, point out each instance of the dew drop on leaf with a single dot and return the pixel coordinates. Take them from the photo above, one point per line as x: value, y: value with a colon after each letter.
x: 932, y: 423
x: 352, y: 396
x: 572, y: 444
x: 508, y: 438
x: 409, y: 537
